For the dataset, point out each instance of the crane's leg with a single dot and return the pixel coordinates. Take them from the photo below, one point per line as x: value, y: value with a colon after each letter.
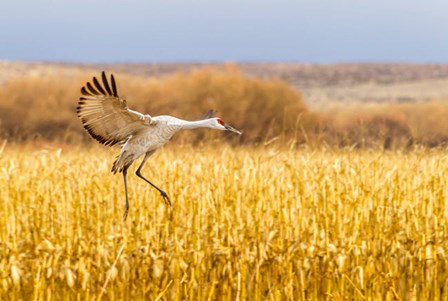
x: 138, y: 173
x: 126, y: 206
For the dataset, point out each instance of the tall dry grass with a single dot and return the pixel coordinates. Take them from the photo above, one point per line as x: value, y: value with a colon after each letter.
x: 245, y: 224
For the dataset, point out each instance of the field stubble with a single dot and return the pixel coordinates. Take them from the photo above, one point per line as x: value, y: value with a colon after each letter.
x: 246, y: 224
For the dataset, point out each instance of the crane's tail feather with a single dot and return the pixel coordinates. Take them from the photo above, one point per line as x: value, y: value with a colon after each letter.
x: 115, y: 166
x: 124, y: 160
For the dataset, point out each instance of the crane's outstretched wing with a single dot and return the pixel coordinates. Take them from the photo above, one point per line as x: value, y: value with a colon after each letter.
x: 210, y: 114
x: 105, y: 115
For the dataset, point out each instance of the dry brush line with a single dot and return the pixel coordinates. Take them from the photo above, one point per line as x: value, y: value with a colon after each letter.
x: 44, y: 107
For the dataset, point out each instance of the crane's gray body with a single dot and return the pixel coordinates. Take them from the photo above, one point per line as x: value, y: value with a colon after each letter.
x: 147, y: 141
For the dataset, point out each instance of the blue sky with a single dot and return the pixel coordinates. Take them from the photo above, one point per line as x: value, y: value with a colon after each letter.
x: 319, y: 31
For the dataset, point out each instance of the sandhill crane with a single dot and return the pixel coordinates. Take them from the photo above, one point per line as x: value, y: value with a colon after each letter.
x: 109, y: 120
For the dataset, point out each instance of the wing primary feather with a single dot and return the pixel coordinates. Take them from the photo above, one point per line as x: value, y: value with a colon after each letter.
x: 84, y: 92
x: 114, y: 86
x: 92, y: 89
x: 106, y: 84
x: 98, y: 86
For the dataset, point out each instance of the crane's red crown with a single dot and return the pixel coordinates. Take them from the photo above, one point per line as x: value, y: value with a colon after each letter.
x: 220, y: 121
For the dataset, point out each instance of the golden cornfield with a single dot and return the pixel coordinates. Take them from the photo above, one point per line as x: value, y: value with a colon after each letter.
x: 247, y: 223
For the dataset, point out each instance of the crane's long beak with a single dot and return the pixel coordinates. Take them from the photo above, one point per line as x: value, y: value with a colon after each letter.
x: 229, y: 128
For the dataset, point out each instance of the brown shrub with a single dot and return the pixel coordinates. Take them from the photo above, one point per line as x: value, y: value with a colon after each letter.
x: 376, y: 130
x: 38, y: 107
x: 46, y: 107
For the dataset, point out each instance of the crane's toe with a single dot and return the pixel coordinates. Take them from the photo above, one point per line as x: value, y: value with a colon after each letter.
x: 125, y: 213
x: 165, y: 198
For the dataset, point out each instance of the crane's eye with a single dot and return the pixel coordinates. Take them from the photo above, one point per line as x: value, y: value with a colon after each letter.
x: 220, y: 121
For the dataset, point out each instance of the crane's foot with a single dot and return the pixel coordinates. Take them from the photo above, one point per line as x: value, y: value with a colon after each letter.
x: 126, y: 211
x: 165, y: 198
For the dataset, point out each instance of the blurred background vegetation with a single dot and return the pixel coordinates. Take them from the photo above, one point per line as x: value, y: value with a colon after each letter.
x: 268, y: 110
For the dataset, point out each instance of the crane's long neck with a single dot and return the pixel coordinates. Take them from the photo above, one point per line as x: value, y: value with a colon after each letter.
x: 189, y: 125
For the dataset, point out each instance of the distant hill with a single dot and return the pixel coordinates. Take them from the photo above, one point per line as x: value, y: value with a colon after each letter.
x: 320, y: 83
